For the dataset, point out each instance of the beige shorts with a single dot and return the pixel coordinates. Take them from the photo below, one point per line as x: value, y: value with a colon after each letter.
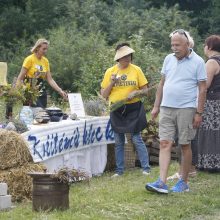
x: 177, y: 123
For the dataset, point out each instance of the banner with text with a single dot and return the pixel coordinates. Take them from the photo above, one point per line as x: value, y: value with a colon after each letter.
x: 55, y: 139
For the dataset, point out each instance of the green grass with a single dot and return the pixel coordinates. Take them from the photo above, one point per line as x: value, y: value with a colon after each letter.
x: 126, y: 198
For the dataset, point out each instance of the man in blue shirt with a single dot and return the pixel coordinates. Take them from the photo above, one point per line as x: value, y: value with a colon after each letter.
x: 182, y: 85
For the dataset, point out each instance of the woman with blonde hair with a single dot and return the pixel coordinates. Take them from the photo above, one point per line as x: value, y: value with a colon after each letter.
x: 36, y: 66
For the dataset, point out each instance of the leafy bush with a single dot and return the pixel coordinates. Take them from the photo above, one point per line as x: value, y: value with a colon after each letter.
x: 83, y: 35
x: 78, y: 61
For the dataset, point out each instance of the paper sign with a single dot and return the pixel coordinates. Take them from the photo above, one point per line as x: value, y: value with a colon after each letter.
x: 76, y: 104
x: 3, y: 74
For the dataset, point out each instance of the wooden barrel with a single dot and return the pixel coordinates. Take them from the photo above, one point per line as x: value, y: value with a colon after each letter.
x: 48, y: 193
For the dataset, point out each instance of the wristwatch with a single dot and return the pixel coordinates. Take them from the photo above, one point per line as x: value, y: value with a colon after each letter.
x: 199, y: 113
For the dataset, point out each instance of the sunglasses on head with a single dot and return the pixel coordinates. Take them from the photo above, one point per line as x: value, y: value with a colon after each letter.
x: 180, y: 31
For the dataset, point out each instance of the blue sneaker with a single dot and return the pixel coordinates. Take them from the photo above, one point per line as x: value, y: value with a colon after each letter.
x: 159, y: 186
x: 180, y: 186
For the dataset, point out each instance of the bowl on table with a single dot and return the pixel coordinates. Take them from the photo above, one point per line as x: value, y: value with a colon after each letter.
x: 53, y: 110
x: 42, y: 116
x: 55, y: 114
x: 42, y: 120
x: 56, y: 118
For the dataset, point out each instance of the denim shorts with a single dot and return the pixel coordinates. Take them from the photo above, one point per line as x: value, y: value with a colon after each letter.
x: 177, y: 123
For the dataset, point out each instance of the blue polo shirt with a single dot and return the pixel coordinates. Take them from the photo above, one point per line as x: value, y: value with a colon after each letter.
x: 181, y: 80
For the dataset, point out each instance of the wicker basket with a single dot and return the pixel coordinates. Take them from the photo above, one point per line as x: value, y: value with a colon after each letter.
x: 129, y: 155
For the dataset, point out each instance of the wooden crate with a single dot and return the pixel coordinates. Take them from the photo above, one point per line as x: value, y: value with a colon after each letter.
x: 154, y: 149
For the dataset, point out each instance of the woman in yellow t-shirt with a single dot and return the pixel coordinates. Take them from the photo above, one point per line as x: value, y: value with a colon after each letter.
x: 36, y: 66
x: 126, y: 81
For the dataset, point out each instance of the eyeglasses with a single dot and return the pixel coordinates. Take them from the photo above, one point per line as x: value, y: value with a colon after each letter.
x: 180, y: 31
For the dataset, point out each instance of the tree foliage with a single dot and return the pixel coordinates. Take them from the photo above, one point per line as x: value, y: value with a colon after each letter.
x: 84, y: 33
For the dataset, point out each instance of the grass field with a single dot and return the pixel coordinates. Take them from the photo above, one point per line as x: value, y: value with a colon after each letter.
x: 126, y: 198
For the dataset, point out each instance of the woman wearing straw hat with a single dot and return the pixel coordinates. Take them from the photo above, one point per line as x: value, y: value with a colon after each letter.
x: 125, y: 82
x: 36, y: 66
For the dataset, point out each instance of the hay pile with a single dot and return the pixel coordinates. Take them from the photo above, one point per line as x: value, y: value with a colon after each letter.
x: 15, y: 162
x: 19, y: 183
x: 13, y: 150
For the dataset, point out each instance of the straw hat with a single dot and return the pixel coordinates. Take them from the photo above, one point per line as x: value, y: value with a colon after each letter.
x: 122, y: 52
x: 38, y: 43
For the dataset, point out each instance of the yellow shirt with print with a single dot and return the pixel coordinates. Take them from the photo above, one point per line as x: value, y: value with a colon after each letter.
x: 131, y: 78
x: 36, y: 68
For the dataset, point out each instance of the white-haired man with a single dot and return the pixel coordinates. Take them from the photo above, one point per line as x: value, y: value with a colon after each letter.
x: 183, y: 74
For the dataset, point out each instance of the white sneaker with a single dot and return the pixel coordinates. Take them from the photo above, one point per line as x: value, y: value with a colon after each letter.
x: 115, y: 175
x: 174, y: 177
x: 146, y: 173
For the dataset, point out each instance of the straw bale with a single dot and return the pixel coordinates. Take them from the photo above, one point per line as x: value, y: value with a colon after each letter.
x: 13, y: 150
x: 19, y: 183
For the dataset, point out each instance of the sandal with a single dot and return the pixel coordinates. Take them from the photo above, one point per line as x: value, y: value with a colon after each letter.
x: 192, y: 174
x: 174, y: 177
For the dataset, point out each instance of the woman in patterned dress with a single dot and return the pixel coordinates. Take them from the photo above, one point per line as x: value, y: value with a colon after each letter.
x: 208, y: 141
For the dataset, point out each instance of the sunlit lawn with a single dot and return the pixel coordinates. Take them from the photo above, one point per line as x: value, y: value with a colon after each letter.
x: 126, y: 198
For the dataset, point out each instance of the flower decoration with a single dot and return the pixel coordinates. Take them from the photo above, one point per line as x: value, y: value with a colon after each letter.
x: 26, y: 92
x: 11, y: 94
x: 31, y: 91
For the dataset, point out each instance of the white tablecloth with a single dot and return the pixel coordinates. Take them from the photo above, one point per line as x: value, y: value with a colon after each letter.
x: 80, y: 144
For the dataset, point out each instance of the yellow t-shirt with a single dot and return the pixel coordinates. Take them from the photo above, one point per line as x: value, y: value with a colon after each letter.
x: 131, y: 78
x: 36, y: 68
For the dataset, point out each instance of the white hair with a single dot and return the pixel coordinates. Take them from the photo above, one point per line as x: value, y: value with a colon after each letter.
x: 190, y: 38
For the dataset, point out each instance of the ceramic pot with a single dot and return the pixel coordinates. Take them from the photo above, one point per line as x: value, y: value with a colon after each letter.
x: 55, y: 114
